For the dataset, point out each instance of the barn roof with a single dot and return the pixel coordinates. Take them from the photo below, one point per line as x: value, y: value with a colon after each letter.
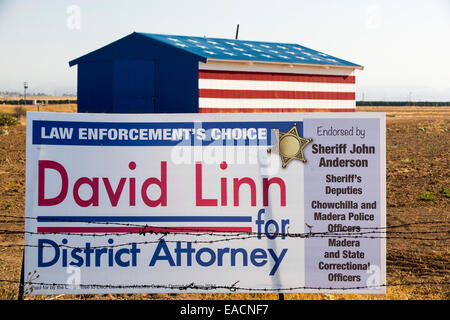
x: 241, y: 50
x: 230, y: 49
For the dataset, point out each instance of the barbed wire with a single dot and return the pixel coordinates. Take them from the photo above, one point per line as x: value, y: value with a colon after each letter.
x: 144, y: 230
x: 80, y: 220
x: 385, y: 232
x: 444, y: 222
x: 232, y: 288
x: 372, y: 233
x: 206, y: 242
x: 60, y: 219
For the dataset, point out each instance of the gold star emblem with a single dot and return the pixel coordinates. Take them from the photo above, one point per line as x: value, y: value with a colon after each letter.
x: 290, y: 146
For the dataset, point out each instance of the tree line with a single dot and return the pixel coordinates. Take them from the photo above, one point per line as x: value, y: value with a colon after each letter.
x: 31, y: 102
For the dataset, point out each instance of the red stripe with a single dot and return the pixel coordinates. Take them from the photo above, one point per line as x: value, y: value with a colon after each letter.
x: 140, y: 229
x: 268, y: 110
x: 273, y: 94
x: 266, y: 76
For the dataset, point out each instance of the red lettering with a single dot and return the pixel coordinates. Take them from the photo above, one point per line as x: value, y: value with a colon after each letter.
x: 93, y: 200
x: 162, y: 184
x: 47, y: 164
x: 223, y: 191
x: 266, y: 185
x: 114, y: 196
x: 132, y: 192
x: 237, y: 184
x: 199, y: 190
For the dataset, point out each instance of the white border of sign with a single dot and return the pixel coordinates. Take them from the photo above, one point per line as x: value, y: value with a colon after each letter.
x: 31, y: 157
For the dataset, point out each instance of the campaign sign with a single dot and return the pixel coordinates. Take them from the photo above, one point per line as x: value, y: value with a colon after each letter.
x: 205, y: 203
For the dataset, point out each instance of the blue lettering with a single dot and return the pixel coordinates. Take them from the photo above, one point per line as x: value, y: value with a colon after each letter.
x: 189, y: 251
x: 41, y: 243
x: 119, y: 261
x: 276, y: 259
x: 258, y: 254
x: 74, y: 254
x: 167, y: 256
x: 233, y: 256
x: 211, y: 260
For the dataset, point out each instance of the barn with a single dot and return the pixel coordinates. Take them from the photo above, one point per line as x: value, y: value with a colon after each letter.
x: 155, y: 73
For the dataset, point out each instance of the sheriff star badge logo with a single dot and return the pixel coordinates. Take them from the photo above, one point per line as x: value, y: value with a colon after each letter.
x: 290, y: 146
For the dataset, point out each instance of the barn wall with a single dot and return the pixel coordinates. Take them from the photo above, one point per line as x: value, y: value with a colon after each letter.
x: 244, y: 87
x: 134, y: 86
x: 176, y: 87
x: 95, y: 87
x: 104, y: 85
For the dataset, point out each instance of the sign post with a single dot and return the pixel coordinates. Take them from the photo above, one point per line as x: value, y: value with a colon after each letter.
x: 206, y: 202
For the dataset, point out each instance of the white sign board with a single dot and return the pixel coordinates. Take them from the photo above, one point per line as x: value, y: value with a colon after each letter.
x: 205, y: 202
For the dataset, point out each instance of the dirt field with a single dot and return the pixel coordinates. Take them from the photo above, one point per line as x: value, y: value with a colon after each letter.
x: 418, y: 194
x: 12, y: 109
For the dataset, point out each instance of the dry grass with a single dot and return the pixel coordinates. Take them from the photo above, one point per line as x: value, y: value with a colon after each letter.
x: 12, y: 109
x: 410, y: 113
x: 8, y: 108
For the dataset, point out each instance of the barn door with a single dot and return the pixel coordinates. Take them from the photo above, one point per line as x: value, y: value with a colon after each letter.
x: 134, y: 86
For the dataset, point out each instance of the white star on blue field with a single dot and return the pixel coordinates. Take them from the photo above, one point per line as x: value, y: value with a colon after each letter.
x: 229, y: 49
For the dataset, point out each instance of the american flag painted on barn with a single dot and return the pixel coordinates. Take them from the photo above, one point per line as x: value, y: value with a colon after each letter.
x: 177, y: 73
x: 244, y: 91
x: 306, y: 80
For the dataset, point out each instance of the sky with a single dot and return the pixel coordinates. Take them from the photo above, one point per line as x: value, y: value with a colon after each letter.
x: 403, y: 44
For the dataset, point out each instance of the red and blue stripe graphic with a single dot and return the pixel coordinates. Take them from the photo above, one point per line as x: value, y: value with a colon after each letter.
x: 124, y: 220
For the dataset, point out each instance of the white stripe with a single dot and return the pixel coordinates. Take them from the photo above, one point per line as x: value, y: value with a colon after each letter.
x: 274, y: 68
x: 275, y: 103
x: 275, y: 85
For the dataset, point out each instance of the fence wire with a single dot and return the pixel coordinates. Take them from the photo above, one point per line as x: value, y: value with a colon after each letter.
x: 232, y: 288
x: 439, y: 238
